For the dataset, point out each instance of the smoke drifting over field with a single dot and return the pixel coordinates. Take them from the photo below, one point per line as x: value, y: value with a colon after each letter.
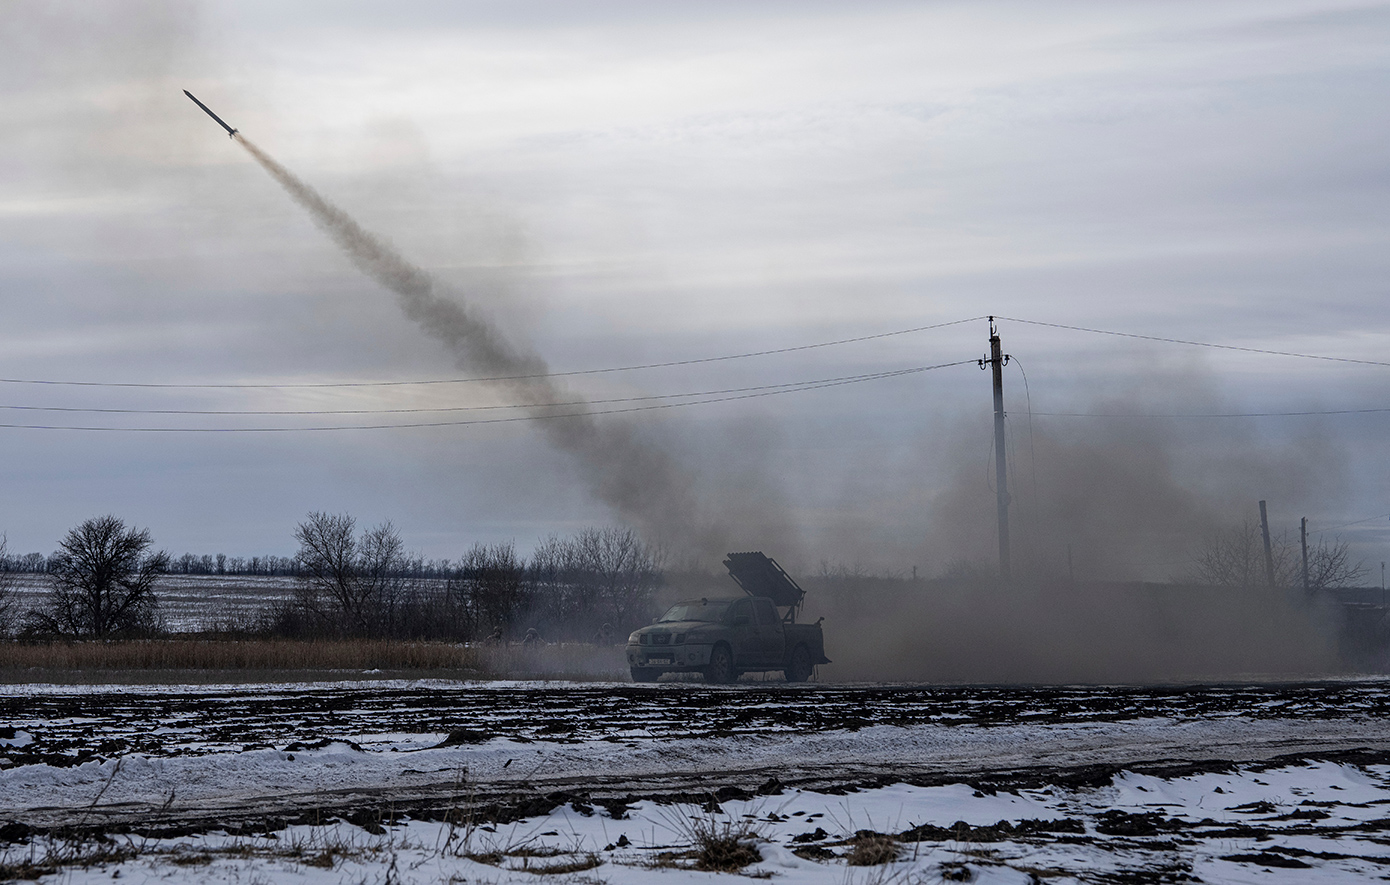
x: 642, y: 482
x: 1099, y: 506
x: 1055, y: 631
x: 1127, y: 499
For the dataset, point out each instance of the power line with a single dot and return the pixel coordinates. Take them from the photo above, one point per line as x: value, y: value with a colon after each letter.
x: 577, y: 414
x: 1305, y: 356
x: 1343, y: 525
x: 506, y: 406
x: 1307, y: 413
x: 671, y: 363
x: 601, y: 371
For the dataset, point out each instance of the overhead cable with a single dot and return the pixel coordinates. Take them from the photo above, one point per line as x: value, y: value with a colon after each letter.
x: 1376, y: 518
x: 1304, y: 356
x: 601, y: 371
x: 576, y: 414
x: 1306, y: 413
x: 424, y: 409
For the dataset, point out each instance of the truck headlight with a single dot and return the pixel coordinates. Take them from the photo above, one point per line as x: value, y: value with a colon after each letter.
x: 634, y: 639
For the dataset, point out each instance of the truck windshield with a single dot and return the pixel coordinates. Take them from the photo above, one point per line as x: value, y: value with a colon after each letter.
x: 697, y: 611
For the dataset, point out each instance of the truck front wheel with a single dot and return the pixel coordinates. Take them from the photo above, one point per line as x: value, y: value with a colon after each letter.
x: 799, y: 667
x: 721, y: 666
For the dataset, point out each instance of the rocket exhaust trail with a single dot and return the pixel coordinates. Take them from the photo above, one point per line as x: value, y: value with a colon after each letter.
x: 640, y: 481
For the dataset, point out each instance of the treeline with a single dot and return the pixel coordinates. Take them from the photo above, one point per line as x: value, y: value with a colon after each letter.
x: 104, y: 582
x: 365, y: 585
x: 187, y: 564
x: 236, y: 566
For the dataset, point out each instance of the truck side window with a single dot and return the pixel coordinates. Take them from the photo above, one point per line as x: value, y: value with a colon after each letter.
x: 740, y: 613
x: 767, y: 612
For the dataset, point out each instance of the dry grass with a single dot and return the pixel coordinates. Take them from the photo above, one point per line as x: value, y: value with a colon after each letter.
x: 561, y: 866
x: 869, y: 849
x: 34, y: 863
x: 233, y: 655
x: 725, y: 853
x: 140, y: 660
x: 720, y: 843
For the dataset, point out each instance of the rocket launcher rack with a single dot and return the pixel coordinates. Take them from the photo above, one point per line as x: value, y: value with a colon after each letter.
x: 760, y: 575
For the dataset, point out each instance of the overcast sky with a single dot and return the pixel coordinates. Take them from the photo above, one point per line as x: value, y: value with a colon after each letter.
x: 614, y: 184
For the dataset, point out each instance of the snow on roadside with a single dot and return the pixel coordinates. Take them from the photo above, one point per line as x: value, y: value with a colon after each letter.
x: 244, y: 777
x: 1238, y: 826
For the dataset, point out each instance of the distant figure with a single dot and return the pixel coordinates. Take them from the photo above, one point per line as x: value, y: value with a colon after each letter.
x: 604, y: 636
x: 495, y: 637
x: 533, y: 638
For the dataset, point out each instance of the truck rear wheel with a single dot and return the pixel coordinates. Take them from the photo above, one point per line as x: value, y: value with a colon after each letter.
x: 799, y: 667
x: 721, y: 666
x: 645, y: 674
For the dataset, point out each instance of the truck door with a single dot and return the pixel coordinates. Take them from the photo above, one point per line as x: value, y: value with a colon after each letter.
x: 743, y: 633
x: 771, y: 637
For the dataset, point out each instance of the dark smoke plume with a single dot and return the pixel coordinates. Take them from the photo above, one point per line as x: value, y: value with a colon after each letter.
x: 640, y: 481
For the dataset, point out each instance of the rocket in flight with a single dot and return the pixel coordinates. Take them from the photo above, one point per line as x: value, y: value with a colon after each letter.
x: 231, y: 133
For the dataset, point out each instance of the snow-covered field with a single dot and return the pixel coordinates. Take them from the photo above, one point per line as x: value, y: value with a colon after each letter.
x: 189, y: 602
x: 522, y: 782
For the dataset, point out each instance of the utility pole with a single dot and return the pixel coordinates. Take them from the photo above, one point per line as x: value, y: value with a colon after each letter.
x: 1303, y: 537
x: 997, y: 360
x: 1269, y: 551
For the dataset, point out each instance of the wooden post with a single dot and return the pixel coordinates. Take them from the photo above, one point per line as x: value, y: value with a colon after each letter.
x: 1269, y: 551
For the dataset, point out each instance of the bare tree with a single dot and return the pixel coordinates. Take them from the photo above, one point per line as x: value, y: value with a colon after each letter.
x: 103, y: 582
x: 627, y: 571
x: 1330, y: 565
x: 489, y: 581
x: 7, y: 582
x: 1235, y: 558
x: 382, y: 566
x: 600, y: 575
x: 350, y: 584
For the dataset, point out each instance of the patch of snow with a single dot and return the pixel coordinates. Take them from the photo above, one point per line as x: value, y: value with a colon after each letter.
x: 655, y: 839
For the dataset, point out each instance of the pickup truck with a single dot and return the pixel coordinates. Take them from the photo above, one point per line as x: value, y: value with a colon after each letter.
x: 724, y: 637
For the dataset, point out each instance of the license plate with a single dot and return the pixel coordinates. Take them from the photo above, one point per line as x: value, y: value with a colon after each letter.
x: 658, y: 660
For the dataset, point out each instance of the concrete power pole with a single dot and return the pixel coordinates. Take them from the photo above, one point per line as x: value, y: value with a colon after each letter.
x: 1269, y: 551
x: 997, y: 360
